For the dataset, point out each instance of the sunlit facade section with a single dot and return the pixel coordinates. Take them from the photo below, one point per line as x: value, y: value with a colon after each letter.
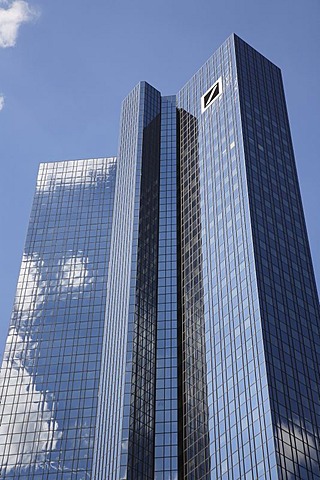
x: 51, y: 367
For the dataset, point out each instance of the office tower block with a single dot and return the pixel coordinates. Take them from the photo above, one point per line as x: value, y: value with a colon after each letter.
x: 166, y: 324
x: 253, y: 300
x: 51, y: 368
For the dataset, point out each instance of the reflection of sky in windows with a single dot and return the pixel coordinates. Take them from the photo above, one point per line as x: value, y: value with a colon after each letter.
x: 234, y: 357
x: 50, y: 372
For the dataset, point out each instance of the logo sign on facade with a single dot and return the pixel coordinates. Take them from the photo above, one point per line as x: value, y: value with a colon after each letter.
x: 211, y: 95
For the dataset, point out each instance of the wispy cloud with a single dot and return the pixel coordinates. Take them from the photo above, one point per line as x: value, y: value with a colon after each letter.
x: 1, y: 102
x: 30, y: 429
x: 12, y: 15
x: 28, y: 425
x: 96, y: 173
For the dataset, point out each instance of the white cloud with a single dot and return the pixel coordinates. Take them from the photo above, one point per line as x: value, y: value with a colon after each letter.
x: 70, y: 275
x: 29, y: 430
x: 1, y: 102
x: 28, y: 425
x: 292, y: 433
x: 75, y: 172
x: 31, y: 287
x: 74, y: 273
x: 11, y: 17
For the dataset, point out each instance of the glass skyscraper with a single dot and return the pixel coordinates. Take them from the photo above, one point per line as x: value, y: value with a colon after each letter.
x: 166, y: 322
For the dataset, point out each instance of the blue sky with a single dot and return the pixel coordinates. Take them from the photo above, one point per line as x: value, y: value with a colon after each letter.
x: 65, y: 67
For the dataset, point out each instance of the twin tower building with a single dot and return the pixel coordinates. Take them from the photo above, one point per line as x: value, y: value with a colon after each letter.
x: 166, y: 322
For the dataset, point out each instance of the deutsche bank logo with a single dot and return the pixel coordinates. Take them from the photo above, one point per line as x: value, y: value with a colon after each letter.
x: 211, y: 95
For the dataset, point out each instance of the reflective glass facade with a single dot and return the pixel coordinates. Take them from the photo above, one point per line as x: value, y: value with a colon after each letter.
x: 257, y: 309
x: 166, y: 426
x: 230, y: 362
x: 287, y: 292
x: 166, y: 324
x: 51, y: 367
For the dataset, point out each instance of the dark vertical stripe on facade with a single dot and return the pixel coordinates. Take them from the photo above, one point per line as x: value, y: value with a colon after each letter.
x: 193, y: 430
x: 142, y: 416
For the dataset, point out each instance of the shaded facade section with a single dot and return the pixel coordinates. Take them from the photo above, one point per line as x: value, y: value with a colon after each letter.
x: 287, y: 289
x: 193, y: 415
x: 51, y: 367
